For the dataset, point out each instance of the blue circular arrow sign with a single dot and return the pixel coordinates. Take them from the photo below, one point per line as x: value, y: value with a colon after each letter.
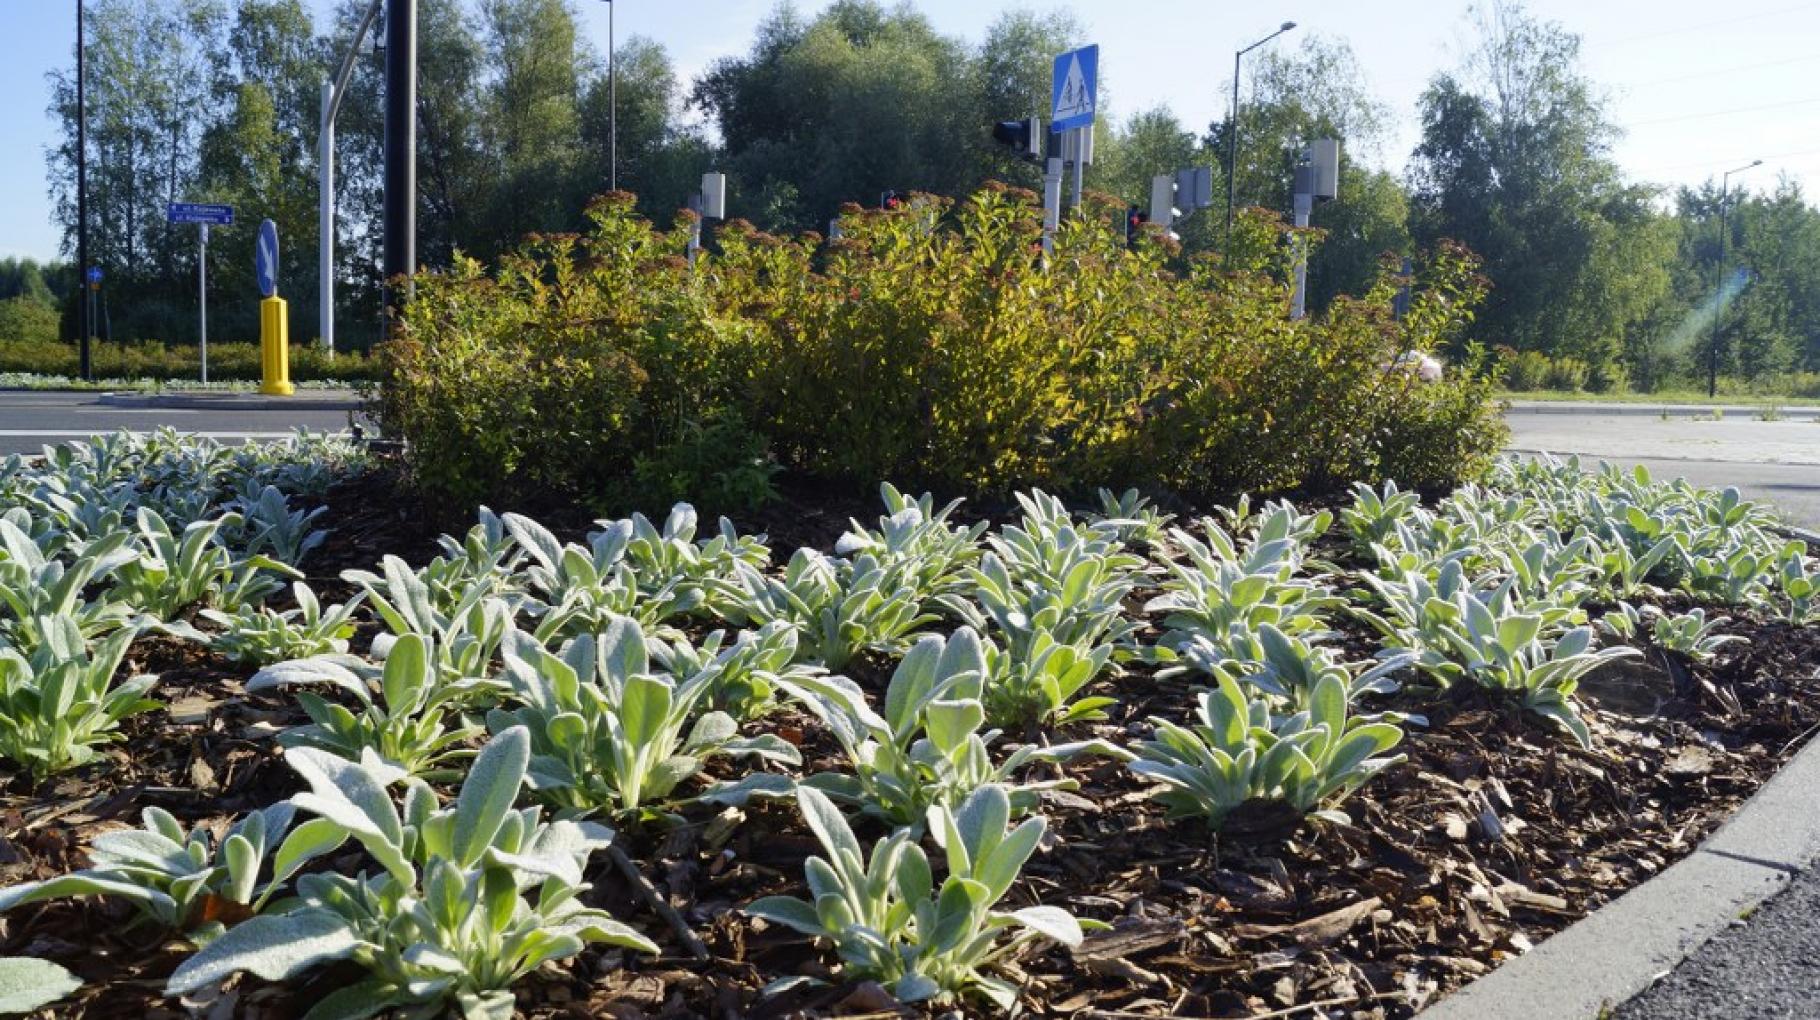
x: 266, y: 263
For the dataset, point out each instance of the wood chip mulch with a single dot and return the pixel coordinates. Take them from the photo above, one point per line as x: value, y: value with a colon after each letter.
x: 1494, y: 835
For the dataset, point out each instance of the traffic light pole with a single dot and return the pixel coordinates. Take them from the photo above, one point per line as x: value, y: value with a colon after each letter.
x: 1304, y: 205
x: 1080, y: 162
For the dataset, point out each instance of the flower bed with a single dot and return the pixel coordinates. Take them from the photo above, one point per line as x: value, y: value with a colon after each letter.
x: 1341, y: 759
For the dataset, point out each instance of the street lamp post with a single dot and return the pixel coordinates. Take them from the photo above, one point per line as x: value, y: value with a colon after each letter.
x: 1232, y: 128
x: 332, y: 94
x: 82, y: 194
x: 612, y: 104
x: 1712, y: 356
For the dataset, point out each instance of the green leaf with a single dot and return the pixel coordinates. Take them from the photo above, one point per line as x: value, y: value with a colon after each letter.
x: 494, y: 780
x: 407, y: 671
x: 828, y: 824
x: 1005, y: 860
x: 355, y: 1002
x: 28, y: 985
x: 789, y: 912
x: 950, y: 723
x: 272, y: 946
x: 645, y: 709
x: 1052, y: 923
x: 306, y: 842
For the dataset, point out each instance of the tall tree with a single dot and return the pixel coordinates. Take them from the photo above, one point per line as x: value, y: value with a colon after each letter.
x: 1515, y: 162
x: 859, y: 101
x: 532, y: 126
x: 661, y: 156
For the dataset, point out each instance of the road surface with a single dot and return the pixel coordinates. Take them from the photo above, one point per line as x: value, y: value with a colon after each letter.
x: 1774, y: 461
x: 30, y: 421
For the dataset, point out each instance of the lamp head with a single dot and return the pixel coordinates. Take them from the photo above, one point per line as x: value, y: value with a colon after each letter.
x: 1755, y: 162
x: 1287, y: 25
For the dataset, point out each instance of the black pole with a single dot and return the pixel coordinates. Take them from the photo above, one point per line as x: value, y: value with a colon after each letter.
x: 82, y: 196
x: 400, y: 145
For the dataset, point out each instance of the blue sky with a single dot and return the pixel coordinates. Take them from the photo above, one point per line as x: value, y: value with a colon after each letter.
x: 1699, y: 86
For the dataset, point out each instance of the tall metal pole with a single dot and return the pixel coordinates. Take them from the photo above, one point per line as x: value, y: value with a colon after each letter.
x: 1304, y: 205
x: 400, y: 146
x: 325, y: 222
x: 82, y: 194
x: 1232, y: 128
x: 332, y: 94
x: 202, y: 290
x: 1712, y: 356
x: 1232, y: 145
x: 612, y: 103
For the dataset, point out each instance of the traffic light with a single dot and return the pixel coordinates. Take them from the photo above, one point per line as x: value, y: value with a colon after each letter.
x: 1025, y: 137
x: 890, y: 201
x: 1134, y: 225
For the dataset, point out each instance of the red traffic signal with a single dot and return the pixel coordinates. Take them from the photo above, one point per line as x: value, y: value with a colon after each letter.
x: 1134, y: 222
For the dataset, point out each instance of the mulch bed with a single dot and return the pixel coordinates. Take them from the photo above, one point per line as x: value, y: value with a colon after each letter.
x: 1494, y: 835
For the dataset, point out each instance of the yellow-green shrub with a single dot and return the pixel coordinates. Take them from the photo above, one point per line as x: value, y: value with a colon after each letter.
x: 152, y: 359
x: 934, y: 346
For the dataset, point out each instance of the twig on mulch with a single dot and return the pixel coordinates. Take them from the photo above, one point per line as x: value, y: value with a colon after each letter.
x: 1275, y: 1014
x: 647, y: 892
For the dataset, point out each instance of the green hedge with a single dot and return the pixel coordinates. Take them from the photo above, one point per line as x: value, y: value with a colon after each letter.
x: 150, y: 359
x: 929, y: 346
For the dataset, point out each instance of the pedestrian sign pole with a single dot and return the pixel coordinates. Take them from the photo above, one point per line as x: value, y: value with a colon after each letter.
x: 203, y: 216
x: 202, y: 296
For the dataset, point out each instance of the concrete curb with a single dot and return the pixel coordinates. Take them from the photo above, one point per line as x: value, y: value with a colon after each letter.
x: 305, y: 400
x: 1619, y: 950
x: 1747, y: 412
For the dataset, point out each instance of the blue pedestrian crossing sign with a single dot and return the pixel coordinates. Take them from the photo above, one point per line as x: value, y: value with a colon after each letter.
x: 1075, y: 84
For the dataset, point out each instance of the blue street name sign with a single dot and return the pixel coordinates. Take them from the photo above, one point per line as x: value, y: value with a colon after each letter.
x: 1075, y: 84
x: 192, y: 212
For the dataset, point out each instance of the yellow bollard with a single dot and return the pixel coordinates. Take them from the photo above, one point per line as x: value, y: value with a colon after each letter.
x: 275, y: 348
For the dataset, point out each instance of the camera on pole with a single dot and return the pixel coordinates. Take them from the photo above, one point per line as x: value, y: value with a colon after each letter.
x: 1024, y: 137
x: 1179, y: 195
x: 1317, y: 179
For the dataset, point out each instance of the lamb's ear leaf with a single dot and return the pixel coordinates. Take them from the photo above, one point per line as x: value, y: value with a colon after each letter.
x: 355, y: 1002
x: 271, y: 946
x: 495, y: 778
x: 28, y: 985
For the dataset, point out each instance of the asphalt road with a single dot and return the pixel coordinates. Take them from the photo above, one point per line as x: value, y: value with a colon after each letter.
x: 30, y: 421
x: 1768, y: 968
x: 1776, y: 461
